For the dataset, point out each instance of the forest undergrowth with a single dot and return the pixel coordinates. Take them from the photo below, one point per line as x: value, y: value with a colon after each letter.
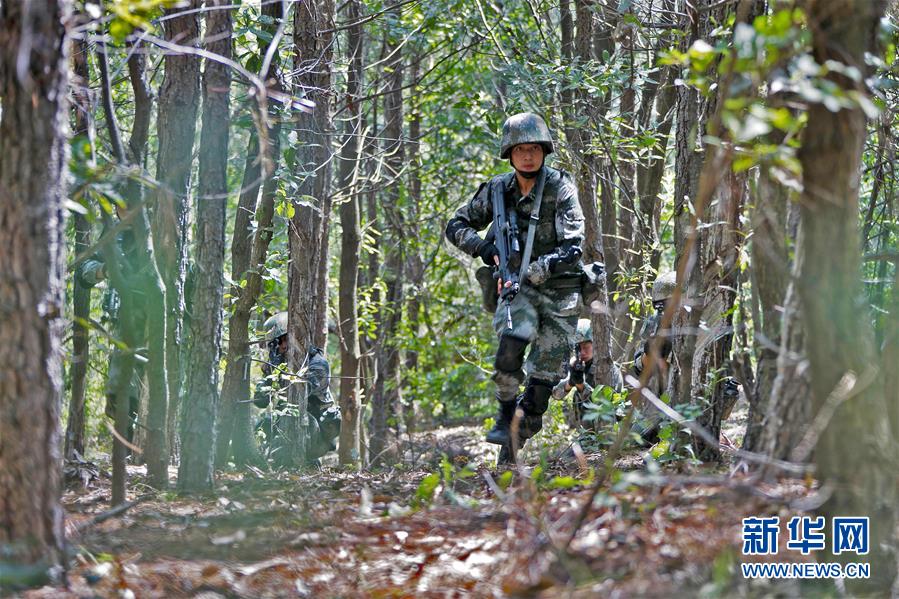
x: 444, y: 524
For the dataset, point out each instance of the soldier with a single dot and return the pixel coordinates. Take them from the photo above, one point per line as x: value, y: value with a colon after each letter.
x: 324, y: 414
x: 581, y: 375
x: 662, y: 290
x: 540, y: 319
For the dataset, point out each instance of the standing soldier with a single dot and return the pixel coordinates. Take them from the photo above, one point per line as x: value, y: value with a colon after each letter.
x: 324, y: 415
x: 538, y: 271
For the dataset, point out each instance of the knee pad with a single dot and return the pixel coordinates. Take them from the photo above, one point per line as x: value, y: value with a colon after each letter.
x: 535, y: 398
x: 510, y: 354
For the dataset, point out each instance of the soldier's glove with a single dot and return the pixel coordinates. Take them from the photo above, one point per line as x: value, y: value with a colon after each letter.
x: 576, y: 373
x: 486, y: 251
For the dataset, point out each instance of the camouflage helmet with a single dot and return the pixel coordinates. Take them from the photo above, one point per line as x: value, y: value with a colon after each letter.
x: 584, y: 331
x: 525, y: 128
x: 275, y: 326
x: 663, y: 286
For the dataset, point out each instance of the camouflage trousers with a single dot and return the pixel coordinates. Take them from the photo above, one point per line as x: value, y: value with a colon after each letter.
x: 543, y: 323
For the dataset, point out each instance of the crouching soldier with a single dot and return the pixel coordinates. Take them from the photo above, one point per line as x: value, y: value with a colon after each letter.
x: 323, y: 424
x: 581, y: 376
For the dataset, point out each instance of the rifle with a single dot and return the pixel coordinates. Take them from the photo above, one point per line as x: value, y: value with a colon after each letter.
x: 507, y: 243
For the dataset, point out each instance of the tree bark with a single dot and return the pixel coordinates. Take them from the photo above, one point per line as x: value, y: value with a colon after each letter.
x: 350, y: 242
x: 770, y: 277
x: 721, y: 242
x: 150, y: 280
x: 840, y: 339
x: 249, y: 248
x: 176, y: 125
x: 198, y: 417
x: 387, y: 396
x: 81, y: 294
x: 33, y: 154
x: 308, y: 304
x: 693, y: 112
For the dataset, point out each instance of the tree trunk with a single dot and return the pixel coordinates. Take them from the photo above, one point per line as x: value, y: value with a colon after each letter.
x: 692, y: 114
x: 151, y: 282
x: 176, y: 125
x: 721, y: 242
x: 120, y: 277
x: 308, y: 304
x: 840, y: 340
x: 248, y: 255
x: 770, y: 277
x: 350, y: 242
x: 387, y: 396
x: 33, y: 154
x: 198, y: 417
x: 81, y: 294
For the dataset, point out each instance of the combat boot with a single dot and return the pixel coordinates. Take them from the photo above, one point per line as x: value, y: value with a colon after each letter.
x: 500, y: 434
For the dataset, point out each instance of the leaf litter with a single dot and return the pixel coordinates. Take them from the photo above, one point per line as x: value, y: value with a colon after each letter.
x: 336, y: 533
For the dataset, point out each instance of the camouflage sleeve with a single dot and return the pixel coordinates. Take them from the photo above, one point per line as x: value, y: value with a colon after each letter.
x: 317, y: 377
x: 585, y: 395
x: 647, y: 331
x: 90, y: 272
x: 475, y: 215
x: 569, y: 216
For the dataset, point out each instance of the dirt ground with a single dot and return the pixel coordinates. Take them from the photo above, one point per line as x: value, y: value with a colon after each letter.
x: 429, y: 527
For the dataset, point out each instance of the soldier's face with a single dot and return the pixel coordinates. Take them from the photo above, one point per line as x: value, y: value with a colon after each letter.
x: 585, y: 351
x: 527, y: 157
x: 282, y: 344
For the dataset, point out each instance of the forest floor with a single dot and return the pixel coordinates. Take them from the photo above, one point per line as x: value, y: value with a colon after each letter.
x: 429, y: 527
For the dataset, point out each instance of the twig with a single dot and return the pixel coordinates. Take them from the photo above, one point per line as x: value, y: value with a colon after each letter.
x: 111, y: 513
x: 848, y: 387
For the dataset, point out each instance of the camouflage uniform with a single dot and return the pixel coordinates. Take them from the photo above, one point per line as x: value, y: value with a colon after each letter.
x: 584, y: 395
x: 324, y: 415
x: 544, y: 313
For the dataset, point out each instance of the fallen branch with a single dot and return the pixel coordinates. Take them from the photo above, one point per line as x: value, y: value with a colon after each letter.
x: 110, y: 514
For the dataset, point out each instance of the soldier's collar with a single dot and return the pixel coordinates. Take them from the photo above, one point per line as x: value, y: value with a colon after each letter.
x: 511, y: 184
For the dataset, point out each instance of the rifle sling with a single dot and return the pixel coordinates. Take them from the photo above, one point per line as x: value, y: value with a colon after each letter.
x: 532, y: 225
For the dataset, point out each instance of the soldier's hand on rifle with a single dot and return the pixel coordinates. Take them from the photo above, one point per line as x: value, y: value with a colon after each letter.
x: 577, y: 373
x: 499, y: 282
x: 488, y: 253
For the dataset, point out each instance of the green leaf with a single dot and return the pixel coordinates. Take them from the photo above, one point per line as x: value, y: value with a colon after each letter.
x: 426, y: 488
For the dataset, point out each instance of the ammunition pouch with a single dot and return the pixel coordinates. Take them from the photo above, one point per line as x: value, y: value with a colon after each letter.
x: 489, y: 296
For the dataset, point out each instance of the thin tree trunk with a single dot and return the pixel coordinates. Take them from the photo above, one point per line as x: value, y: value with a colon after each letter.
x: 350, y: 242
x: 721, y: 242
x: 248, y: 255
x: 150, y: 281
x: 176, y: 125
x: 33, y: 154
x: 119, y: 276
x: 313, y: 35
x: 81, y: 294
x: 770, y: 277
x: 198, y: 417
x: 692, y: 114
x: 387, y: 396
